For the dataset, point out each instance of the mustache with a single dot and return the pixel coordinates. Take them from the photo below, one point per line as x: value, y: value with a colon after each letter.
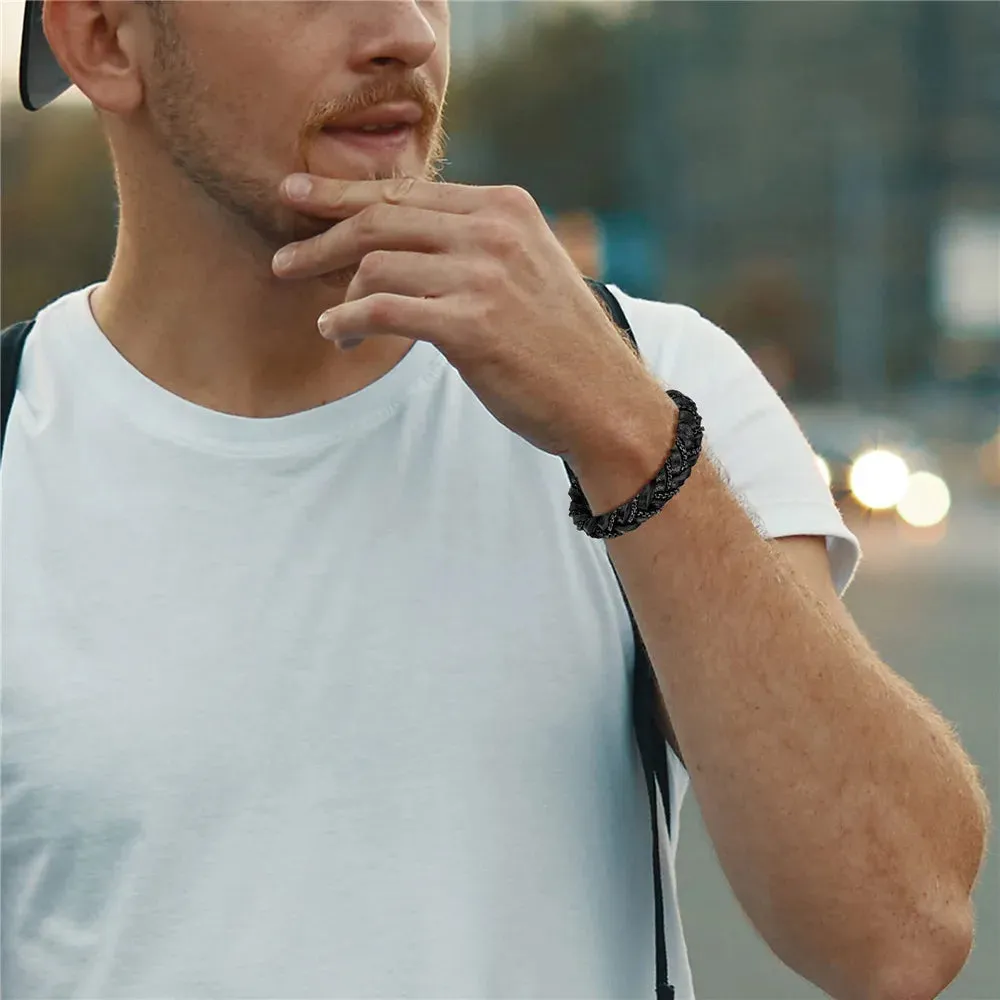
x: 389, y: 90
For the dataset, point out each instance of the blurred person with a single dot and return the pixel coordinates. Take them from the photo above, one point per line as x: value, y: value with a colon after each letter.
x: 763, y: 304
x: 580, y: 236
x: 776, y: 363
x: 311, y: 686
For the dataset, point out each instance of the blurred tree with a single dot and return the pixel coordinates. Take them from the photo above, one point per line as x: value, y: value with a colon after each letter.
x: 548, y: 115
x: 59, y: 206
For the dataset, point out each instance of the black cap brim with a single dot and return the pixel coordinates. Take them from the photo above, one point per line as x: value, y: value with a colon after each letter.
x: 41, y: 78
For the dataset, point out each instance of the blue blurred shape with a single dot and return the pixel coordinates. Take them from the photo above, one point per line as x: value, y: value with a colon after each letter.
x: 618, y: 248
x: 632, y: 257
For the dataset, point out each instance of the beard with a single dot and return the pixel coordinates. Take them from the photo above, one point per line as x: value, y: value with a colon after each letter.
x: 181, y: 114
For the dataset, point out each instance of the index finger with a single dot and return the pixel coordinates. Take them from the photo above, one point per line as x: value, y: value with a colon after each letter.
x: 327, y: 198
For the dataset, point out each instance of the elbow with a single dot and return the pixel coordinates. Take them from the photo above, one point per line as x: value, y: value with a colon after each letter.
x: 935, y: 954
x: 930, y: 965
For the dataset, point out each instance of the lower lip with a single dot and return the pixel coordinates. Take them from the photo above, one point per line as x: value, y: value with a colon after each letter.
x: 372, y: 142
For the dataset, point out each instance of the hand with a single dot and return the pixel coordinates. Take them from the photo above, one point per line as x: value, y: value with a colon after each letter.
x: 477, y: 272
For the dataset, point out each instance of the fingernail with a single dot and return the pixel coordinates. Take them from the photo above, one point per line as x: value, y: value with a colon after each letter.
x: 325, y: 324
x: 298, y: 186
x: 284, y: 257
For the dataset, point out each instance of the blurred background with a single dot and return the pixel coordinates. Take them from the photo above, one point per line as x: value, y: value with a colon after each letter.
x: 820, y: 179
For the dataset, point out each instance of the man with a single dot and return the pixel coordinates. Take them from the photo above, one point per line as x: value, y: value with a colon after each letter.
x: 312, y: 688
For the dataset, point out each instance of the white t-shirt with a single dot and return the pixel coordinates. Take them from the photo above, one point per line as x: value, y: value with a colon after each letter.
x: 334, y: 704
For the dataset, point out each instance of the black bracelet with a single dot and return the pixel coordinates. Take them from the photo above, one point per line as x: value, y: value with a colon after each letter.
x: 655, y: 494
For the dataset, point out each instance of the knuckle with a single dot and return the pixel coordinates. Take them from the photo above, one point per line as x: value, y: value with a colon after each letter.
x: 400, y: 189
x: 373, y: 265
x: 515, y: 199
x: 334, y: 192
x: 381, y: 310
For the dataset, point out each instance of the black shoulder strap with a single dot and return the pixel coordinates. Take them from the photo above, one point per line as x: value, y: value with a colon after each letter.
x: 11, y: 348
x: 652, y: 743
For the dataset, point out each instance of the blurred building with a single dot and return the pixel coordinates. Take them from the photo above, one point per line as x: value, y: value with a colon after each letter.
x: 858, y: 142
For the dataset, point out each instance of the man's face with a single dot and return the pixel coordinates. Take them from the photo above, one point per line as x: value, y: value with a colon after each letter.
x: 240, y: 94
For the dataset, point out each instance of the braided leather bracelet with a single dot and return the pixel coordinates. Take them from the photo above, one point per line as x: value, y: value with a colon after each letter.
x: 655, y: 494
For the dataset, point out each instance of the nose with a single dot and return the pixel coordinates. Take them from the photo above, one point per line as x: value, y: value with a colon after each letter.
x: 392, y: 33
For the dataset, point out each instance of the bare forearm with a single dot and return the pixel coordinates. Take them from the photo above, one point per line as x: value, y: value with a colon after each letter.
x: 845, y: 814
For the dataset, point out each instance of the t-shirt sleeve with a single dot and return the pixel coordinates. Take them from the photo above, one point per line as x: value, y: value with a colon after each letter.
x: 749, y: 430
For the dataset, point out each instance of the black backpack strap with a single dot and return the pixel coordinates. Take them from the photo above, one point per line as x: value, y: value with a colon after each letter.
x: 651, y: 741
x: 11, y: 348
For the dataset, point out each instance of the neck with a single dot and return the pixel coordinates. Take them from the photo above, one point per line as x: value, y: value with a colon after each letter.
x: 196, y: 308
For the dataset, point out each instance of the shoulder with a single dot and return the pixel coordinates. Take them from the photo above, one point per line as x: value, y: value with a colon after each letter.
x: 688, y: 352
x: 750, y: 431
x: 684, y: 348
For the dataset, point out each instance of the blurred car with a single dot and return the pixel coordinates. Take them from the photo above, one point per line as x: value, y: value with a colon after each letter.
x: 876, y: 465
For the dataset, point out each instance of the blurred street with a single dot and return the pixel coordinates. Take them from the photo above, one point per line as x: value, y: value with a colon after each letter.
x: 931, y: 607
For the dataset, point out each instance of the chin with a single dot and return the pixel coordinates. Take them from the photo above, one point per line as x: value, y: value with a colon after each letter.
x: 336, y: 157
x: 375, y: 169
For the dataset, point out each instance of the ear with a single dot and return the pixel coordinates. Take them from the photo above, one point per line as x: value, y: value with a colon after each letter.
x: 99, y: 46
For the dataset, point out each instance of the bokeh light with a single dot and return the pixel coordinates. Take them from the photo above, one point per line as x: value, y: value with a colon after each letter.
x: 926, y: 502
x: 879, y: 479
